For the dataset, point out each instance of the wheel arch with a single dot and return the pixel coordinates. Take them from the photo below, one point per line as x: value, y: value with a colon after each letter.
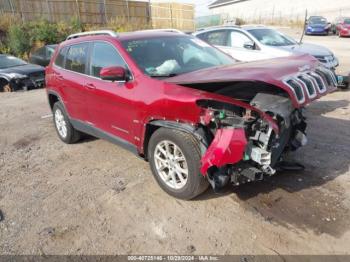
x: 54, y: 97
x: 3, y: 81
x: 196, y: 131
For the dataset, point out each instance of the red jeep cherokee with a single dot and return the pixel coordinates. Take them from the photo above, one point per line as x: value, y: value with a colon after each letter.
x: 195, y: 114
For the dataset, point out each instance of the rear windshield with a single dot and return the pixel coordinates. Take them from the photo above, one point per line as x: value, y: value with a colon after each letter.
x: 347, y: 21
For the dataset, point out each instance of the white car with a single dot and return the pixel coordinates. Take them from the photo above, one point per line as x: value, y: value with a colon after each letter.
x: 250, y: 43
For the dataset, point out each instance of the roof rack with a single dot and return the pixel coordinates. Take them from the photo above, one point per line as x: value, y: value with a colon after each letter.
x: 217, y: 27
x: 170, y: 30
x: 89, y: 33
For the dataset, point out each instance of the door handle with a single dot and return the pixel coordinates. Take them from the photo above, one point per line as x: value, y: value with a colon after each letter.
x: 60, y: 77
x: 90, y: 86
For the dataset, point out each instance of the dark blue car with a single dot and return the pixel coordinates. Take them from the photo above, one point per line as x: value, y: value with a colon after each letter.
x: 318, y: 25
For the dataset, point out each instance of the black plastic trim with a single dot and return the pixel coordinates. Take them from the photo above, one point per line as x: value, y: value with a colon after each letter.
x: 96, y: 132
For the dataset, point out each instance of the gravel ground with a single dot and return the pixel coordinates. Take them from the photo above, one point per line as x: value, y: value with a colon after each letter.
x: 95, y: 198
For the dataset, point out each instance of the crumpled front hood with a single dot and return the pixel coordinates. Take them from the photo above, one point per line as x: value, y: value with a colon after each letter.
x: 23, y: 70
x: 306, y: 48
x: 270, y: 71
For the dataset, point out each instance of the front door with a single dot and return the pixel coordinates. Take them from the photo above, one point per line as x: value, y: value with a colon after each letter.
x: 243, y: 48
x: 110, y: 105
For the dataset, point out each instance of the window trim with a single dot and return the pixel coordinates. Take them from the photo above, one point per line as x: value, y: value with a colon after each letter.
x: 90, y: 42
x: 64, y: 58
x: 226, y: 31
x: 86, y: 61
x: 257, y: 48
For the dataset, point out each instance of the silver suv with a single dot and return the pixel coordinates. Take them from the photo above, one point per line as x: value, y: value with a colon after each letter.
x: 250, y: 43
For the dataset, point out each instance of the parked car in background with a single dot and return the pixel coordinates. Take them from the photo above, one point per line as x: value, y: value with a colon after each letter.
x: 341, y: 26
x: 317, y: 25
x: 195, y: 114
x: 16, y: 74
x: 250, y: 43
x: 42, y: 55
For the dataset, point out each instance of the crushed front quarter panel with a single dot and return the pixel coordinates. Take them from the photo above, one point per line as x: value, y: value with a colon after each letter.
x: 227, y: 147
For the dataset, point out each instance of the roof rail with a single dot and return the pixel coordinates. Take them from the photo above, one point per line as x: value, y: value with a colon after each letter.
x: 89, y: 33
x: 217, y: 26
x: 170, y: 30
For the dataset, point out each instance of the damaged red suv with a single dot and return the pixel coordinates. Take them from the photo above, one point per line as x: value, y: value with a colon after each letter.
x: 199, y: 117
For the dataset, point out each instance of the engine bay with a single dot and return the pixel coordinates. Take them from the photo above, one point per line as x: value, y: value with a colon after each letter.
x: 262, y: 148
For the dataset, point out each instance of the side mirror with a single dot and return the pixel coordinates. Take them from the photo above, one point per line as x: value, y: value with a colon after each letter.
x: 113, y: 73
x: 249, y: 45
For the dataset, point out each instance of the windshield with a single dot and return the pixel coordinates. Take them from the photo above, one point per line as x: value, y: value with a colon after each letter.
x: 271, y: 37
x: 10, y: 61
x: 170, y: 56
x: 317, y: 20
x: 347, y: 21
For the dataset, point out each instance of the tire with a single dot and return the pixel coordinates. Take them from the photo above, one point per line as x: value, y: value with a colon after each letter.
x: 188, y: 150
x: 64, y: 128
x: 7, y: 88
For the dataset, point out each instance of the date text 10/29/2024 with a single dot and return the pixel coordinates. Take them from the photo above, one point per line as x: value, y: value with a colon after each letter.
x: 173, y: 258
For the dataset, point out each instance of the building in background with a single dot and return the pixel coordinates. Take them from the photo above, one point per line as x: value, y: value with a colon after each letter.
x: 279, y: 11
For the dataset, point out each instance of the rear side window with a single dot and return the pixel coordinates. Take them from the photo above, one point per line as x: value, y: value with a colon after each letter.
x: 217, y: 37
x: 77, y: 57
x: 104, y: 55
x: 60, y: 57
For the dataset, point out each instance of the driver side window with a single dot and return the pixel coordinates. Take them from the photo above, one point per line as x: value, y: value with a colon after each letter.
x: 104, y: 55
x: 239, y: 39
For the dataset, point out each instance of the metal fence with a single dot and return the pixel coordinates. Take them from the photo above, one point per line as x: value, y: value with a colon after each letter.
x: 99, y: 12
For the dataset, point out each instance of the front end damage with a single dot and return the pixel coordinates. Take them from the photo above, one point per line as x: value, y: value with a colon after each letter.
x: 252, y: 115
x: 25, y: 82
x: 248, y: 143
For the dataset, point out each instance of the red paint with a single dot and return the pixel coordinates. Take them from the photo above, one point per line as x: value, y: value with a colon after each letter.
x: 125, y: 108
x: 271, y: 71
x: 115, y: 73
x: 227, y: 147
x: 343, y: 28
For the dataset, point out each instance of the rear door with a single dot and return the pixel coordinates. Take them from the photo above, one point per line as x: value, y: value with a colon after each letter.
x: 71, y: 80
x: 109, y: 102
x: 218, y: 38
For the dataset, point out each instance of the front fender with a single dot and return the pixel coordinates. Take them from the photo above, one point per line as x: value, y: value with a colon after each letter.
x: 5, y: 77
x: 228, y: 147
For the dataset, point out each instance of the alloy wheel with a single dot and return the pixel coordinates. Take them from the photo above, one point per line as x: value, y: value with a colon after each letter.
x: 171, y: 164
x: 61, y: 123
